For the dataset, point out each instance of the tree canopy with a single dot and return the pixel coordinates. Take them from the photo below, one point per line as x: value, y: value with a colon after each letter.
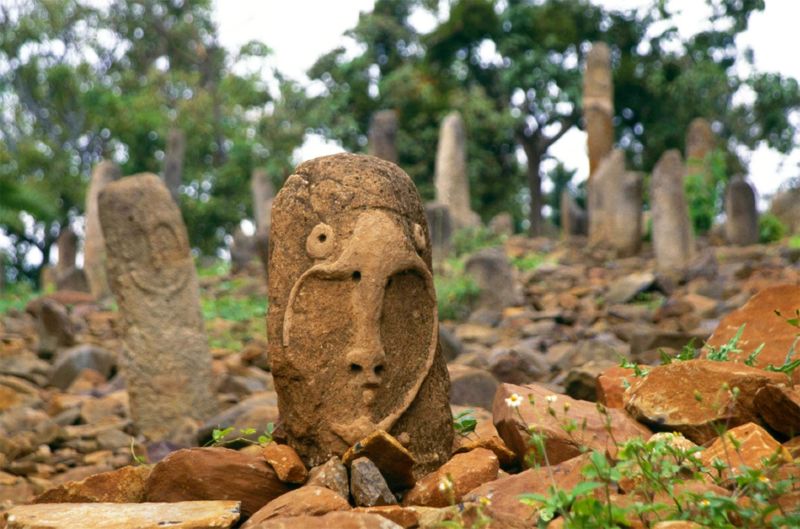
x: 79, y: 83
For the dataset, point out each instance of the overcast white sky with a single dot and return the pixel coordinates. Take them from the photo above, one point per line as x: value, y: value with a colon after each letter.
x: 299, y: 31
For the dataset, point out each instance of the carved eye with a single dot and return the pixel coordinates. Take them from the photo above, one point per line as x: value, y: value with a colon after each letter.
x: 419, y: 237
x: 320, y: 241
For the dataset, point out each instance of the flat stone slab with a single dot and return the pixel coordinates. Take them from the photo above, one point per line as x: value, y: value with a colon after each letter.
x: 180, y: 515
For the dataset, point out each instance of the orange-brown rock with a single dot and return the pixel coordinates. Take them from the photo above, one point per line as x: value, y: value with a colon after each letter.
x: 503, y: 494
x: 612, y: 383
x: 405, y: 517
x: 549, y: 414
x: 747, y: 445
x: 505, y: 456
x: 214, y: 474
x: 353, y: 320
x: 182, y: 515
x: 779, y: 407
x: 305, y: 501
x: 333, y: 520
x: 691, y: 397
x: 463, y: 473
x: 125, y: 485
x: 285, y: 462
x: 391, y: 458
x: 762, y: 326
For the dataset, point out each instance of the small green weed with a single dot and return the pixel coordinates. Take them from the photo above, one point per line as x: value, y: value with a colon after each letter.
x: 221, y: 436
x: 770, y: 228
x: 464, y: 423
x: 529, y: 262
x: 16, y: 296
x: 794, y: 242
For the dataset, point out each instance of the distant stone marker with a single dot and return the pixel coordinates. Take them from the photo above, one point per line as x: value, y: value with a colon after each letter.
x: 353, y: 325
x: 741, y: 225
x: 786, y: 206
x: 598, y: 104
x: 167, y: 365
x: 67, y: 275
x: 573, y: 217
x: 615, y: 214
x: 383, y: 135
x: 700, y: 141
x: 451, y: 179
x: 173, y: 161
x: 673, y: 240
x: 94, y: 246
x: 263, y: 194
x: 440, y: 228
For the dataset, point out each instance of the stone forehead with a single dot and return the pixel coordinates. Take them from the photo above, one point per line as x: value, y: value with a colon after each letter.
x: 133, y: 189
x: 343, y: 182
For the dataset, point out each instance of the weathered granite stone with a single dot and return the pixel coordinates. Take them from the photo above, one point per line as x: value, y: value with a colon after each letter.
x: 491, y: 270
x: 786, y: 206
x: 451, y: 179
x: 741, y: 225
x: 598, y: 104
x: 382, y: 135
x: 367, y: 485
x: 94, y: 246
x: 615, y: 209
x: 673, y: 241
x: 352, y: 319
x: 166, y: 361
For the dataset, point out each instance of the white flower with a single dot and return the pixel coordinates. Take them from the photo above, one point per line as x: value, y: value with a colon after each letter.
x: 445, y: 484
x: 514, y: 401
x: 551, y: 398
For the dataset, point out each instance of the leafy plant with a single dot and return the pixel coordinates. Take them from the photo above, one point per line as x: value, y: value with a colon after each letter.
x: 220, y: 436
x: 528, y: 262
x: 469, y: 240
x: 455, y: 291
x: 770, y: 228
x: 464, y: 423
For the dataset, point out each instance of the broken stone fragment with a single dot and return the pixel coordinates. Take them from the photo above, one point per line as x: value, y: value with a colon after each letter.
x: 214, y: 474
x: 305, y: 501
x: 392, y: 459
x: 696, y: 396
x: 125, y: 485
x: 454, y: 479
x: 367, y: 485
x: 179, y: 515
x: 286, y: 463
x: 333, y: 475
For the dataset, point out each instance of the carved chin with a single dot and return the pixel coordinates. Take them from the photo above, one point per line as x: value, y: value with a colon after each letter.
x: 368, y: 395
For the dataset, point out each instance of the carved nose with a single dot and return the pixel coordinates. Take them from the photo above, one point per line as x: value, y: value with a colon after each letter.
x: 367, y: 362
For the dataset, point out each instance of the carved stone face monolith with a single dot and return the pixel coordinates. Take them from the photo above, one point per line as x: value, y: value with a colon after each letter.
x: 167, y: 364
x: 353, y: 328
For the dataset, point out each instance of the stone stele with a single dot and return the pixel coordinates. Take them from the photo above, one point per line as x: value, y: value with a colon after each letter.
x: 94, y: 246
x: 353, y: 327
x: 167, y: 365
x: 598, y: 104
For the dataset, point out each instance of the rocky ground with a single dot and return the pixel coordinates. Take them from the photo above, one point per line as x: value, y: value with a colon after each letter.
x: 64, y: 415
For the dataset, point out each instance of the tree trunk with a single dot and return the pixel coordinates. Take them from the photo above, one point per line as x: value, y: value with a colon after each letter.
x: 536, y: 228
